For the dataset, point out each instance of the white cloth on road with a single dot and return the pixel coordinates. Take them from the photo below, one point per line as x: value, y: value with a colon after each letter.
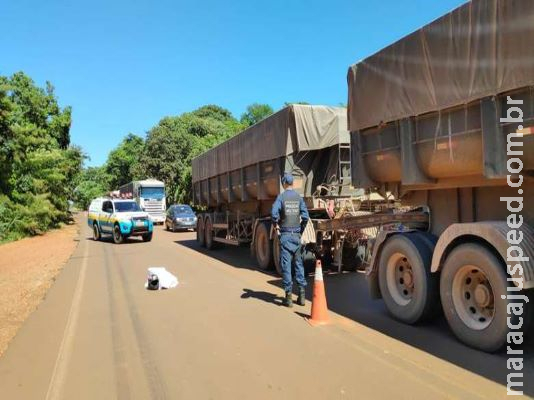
x: 165, y: 278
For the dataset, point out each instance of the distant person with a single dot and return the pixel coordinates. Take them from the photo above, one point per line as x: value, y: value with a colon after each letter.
x: 290, y: 215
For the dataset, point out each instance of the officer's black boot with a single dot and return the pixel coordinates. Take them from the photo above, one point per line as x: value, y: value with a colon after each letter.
x: 302, y: 296
x: 288, y: 301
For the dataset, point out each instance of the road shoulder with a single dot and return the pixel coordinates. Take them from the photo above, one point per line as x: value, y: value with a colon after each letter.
x: 28, y: 268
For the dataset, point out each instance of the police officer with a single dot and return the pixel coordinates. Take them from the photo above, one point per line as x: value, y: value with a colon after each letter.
x: 290, y: 215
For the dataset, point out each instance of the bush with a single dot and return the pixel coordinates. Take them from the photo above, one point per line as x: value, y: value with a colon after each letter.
x: 33, y: 217
x: 38, y: 166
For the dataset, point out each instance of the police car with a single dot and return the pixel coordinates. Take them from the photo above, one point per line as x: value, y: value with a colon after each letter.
x: 119, y: 218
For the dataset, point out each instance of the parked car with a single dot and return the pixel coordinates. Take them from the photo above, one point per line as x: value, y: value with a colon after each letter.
x: 119, y: 218
x: 180, y: 217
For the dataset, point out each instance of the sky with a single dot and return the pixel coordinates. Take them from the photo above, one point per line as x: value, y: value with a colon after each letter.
x: 124, y: 64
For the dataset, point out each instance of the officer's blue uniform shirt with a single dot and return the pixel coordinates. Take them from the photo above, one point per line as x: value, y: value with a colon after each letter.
x: 290, y: 212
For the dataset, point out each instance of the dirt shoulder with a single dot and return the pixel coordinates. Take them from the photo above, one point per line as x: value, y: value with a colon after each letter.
x: 28, y: 268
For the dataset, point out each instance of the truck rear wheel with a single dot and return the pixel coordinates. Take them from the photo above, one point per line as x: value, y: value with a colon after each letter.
x: 201, y: 239
x: 308, y: 260
x: 473, y: 280
x: 263, y: 247
x: 409, y: 290
x: 352, y: 259
x: 209, y: 234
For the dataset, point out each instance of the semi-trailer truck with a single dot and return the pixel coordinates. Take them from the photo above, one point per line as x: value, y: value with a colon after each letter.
x: 444, y: 118
x: 149, y: 194
x: 431, y: 195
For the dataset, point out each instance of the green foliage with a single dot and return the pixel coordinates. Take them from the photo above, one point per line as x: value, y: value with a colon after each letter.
x: 40, y: 171
x: 37, y: 166
x: 175, y: 141
x: 166, y: 153
x: 122, y: 160
x: 91, y: 183
x: 211, y: 111
x: 255, y: 113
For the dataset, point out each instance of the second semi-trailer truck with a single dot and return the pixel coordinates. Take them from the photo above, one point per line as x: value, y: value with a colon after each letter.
x: 149, y: 194
x: 432, y: 193
x: 444, y: 118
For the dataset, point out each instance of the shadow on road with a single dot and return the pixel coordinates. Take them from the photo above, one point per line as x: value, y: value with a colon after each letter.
x: 109, y: 239
x: 348, y: 295
x: 263, y: 296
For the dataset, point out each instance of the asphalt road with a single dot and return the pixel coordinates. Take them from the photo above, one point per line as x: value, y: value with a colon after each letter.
x: 222, y: 334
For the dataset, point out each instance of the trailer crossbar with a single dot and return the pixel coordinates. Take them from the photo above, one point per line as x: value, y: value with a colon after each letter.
x: 368, y: 221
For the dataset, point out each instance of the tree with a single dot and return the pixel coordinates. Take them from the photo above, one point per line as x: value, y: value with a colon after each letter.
x: 37, y: 163
x: 175, y: 141
x: 91, y: 183
x: 6, y: 135
x: 255, y: 113
x: 213, y: 112
x: 121, y: 162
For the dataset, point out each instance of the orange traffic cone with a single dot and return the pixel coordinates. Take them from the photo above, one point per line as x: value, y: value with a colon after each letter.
x: 319, y: 309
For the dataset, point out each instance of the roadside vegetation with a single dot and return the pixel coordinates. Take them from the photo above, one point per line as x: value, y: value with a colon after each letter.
x: 42, y: 173
x: 38, y: 164
x: 166, y: 152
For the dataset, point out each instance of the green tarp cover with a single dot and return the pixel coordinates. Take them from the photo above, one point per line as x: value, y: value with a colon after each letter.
x: 293, y: 129
x: 482, y: 48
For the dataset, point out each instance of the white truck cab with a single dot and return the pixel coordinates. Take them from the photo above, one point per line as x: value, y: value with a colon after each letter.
x: 119, y: 218
x: 149, y: 194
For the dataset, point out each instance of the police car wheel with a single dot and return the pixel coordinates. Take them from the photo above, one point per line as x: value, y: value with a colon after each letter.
x: 117, y: 235
x: 96, y: 232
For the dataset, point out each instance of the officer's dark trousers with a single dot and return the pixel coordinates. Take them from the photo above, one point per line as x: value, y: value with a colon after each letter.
x: 290, y: 253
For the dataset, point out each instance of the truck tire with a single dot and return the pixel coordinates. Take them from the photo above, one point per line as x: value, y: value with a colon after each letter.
x: 147, y: 237
x: 473, y: 280
x: 263, y: 247
x: 209, y: 234
x: 117, y: 234
x: 96, y: 232
x: 430, y: 241
x: 351, y: 259
x: 409, y: 290
x: 308, y: 260
x: 201, y: 238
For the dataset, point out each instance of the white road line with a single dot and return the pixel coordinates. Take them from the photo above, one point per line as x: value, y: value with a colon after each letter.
x: 65, y: 349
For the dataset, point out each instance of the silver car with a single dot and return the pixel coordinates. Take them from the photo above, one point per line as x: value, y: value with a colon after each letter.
x: 180, y: 217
